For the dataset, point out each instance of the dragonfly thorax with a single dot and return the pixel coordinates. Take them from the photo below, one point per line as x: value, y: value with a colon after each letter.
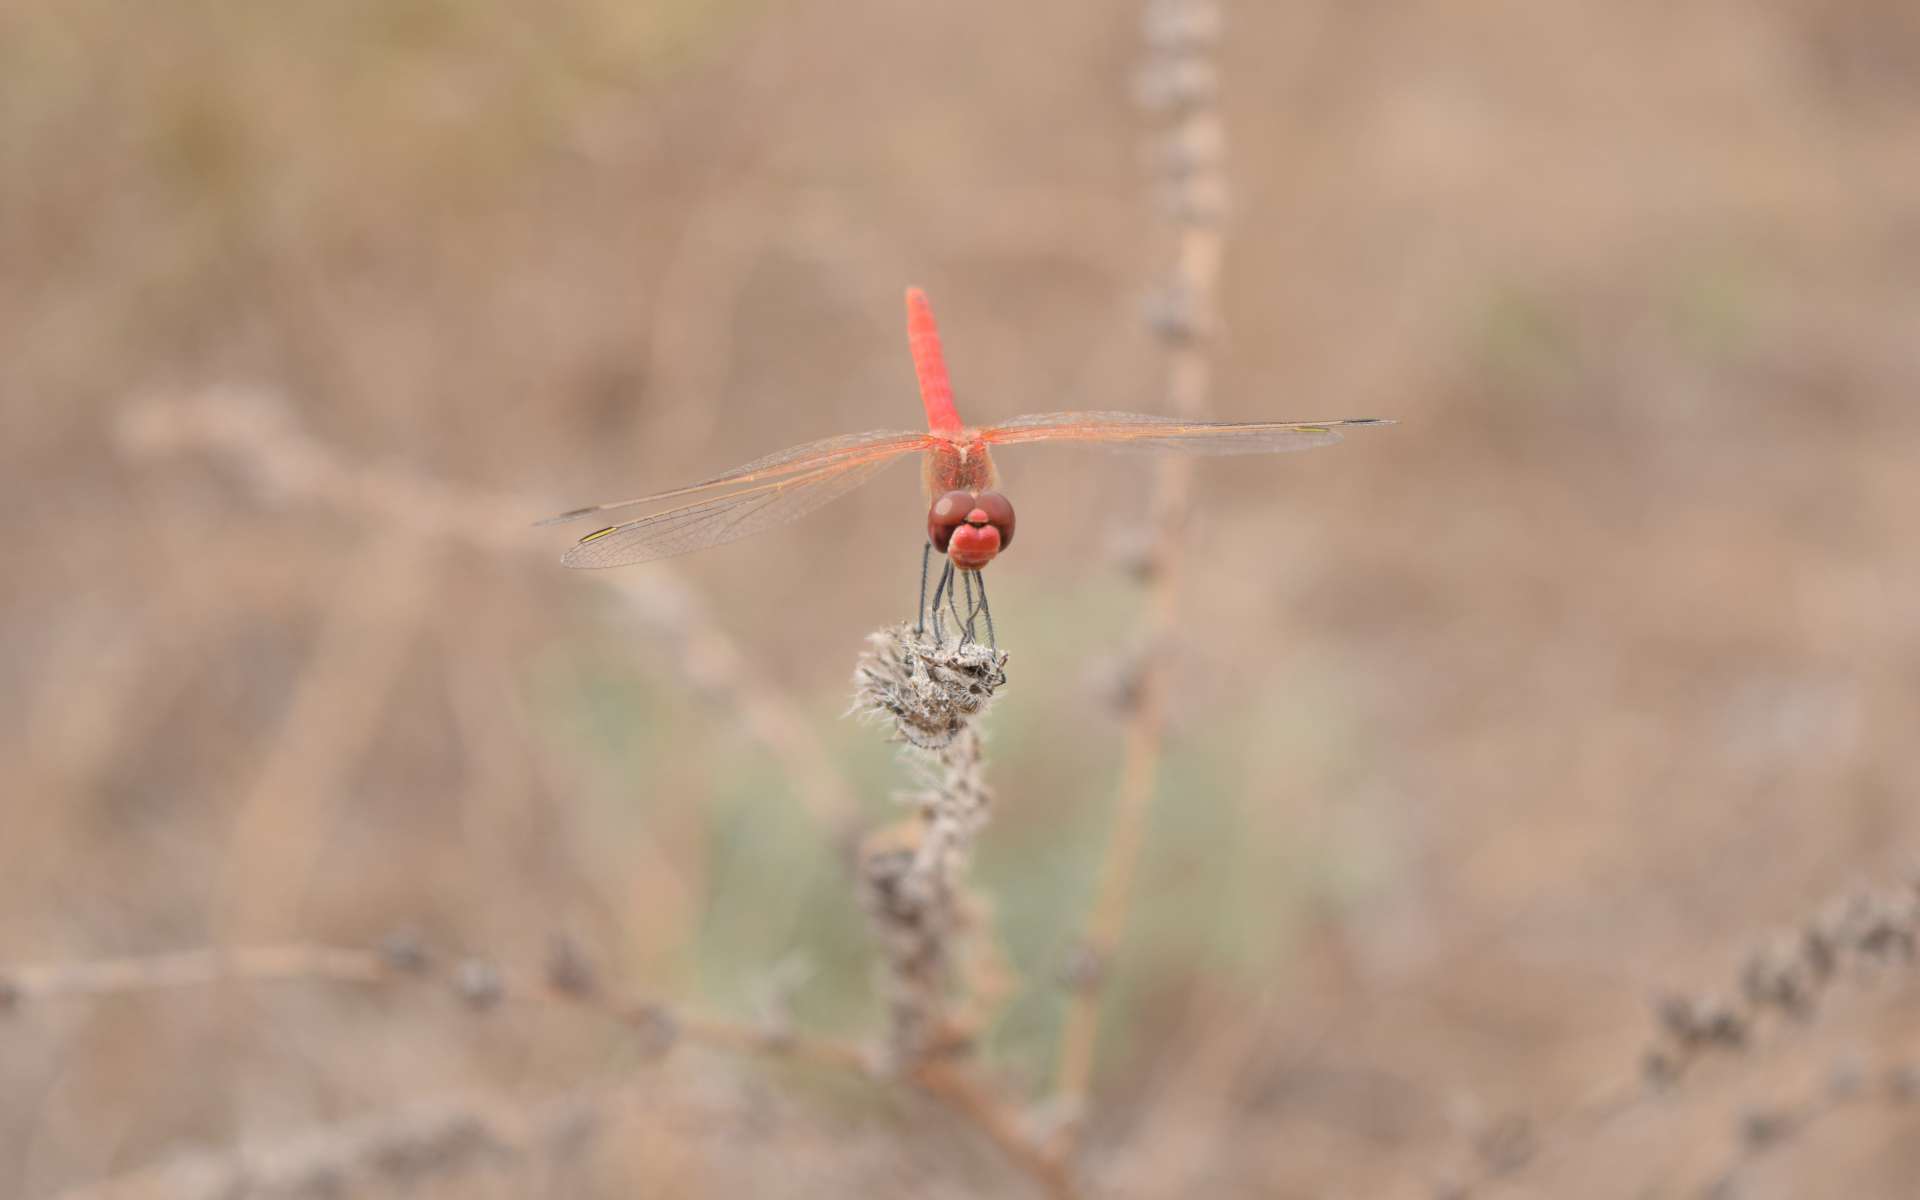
x: 959, y: 464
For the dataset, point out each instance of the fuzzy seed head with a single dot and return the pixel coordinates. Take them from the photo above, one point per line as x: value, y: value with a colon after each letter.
x: 929, y: 690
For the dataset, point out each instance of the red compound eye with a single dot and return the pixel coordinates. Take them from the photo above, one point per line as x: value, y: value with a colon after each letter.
x: 948, y: 513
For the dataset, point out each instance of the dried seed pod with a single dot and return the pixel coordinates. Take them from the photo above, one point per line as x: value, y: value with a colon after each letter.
x: 1847, y: 1079
x: 1778, y: 976
x: 1171, y: 26
x: 1763, y: 1128
x: 478, y: 984
x: 1176, y: 84
x: 1903, y: 1084
x: 1199, y: 199
x: 405, y: 950
x: 1198, y: 143
x: 655, y: 1027
x: 1659, y: 1067
x: 568, y: 970
x: 1506, y: 1145
x: 1083, y: 970
x: 929, y: 690
x: 1174, y: 314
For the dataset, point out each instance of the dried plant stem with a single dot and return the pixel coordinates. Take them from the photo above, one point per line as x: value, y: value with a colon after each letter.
x: 1183, y: 327
x: 187, y: 968
x: 1108, y: 916
x: 914, y: 888
x: 1864, y: 937
x: 448, y: 1134
x: 396, y: 1148
x: 476, y: 983
x: 481, y: 986
x: 912, y: 874
x: 1895, y: 1090
x: 960, y: 1091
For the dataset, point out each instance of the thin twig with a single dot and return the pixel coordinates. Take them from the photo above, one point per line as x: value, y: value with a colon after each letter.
x: 395, y: 1148
x: 959, y: 1090
x: 1847, y: 1088
x: 443, y: 1135
x: 476, y: 983
x: 187, y: 968
x: 1183, y: 318
x: 1781, y: 988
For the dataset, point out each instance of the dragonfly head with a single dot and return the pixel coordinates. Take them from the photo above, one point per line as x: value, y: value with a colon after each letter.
x: 970, y: 527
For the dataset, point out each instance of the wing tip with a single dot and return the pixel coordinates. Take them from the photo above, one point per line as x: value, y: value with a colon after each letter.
x: 575, y: 555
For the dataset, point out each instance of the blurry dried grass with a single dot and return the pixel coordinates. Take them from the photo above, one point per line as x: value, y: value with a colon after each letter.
x: 1626, y: 612
x: 1181, y: 41
x: 254, y: 434
x: 1784, y: 1081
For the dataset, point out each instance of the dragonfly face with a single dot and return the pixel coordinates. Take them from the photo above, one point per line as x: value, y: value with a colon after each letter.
x: 970, y: 527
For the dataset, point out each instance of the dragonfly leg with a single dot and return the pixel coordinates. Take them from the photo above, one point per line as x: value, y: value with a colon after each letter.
x: 939, y: 590
x: 973, y: 607
x: 993, y: 643
x: 920, y: 614
x: 953, y: 604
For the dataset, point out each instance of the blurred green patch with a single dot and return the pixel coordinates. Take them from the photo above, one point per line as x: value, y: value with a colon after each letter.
x: 1230, y: 867
x: 1702, y: 300
x: 1712, y: 299
x: 674, y: 767
x: 1524, y: 340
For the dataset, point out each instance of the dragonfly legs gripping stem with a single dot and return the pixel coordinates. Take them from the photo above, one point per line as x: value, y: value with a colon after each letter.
x: 963, y: 627
x: 920, y: 614
x: 966, y: 579
x: 948, y: 590
x: 939, y: 592
x: 980, y: 577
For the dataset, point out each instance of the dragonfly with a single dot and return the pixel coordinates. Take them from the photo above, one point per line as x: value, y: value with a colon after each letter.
x: 969, y: 522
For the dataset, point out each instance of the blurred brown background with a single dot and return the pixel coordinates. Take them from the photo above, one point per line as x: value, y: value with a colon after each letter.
x: 1599, y: 667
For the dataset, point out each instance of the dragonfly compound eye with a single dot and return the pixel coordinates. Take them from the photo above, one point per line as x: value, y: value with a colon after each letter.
x: 948, y: 513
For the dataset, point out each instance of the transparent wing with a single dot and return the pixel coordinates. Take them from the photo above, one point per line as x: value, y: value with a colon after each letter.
x: 798, y: 460
x: 1147, y: 431
x: 743, y: 513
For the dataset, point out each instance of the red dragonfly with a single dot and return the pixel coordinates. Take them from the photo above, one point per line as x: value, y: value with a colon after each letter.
x: 967, y: 520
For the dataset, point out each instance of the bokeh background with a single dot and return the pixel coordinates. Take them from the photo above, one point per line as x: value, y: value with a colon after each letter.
x: 1600, y: 667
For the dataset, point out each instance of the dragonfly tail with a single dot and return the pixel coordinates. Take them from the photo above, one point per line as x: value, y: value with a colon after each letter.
x: 929, y: 365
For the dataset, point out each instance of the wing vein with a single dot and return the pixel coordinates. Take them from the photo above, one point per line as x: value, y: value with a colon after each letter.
x: 721, y: 519
x: 795, y: 461
x: 1150, y: 431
